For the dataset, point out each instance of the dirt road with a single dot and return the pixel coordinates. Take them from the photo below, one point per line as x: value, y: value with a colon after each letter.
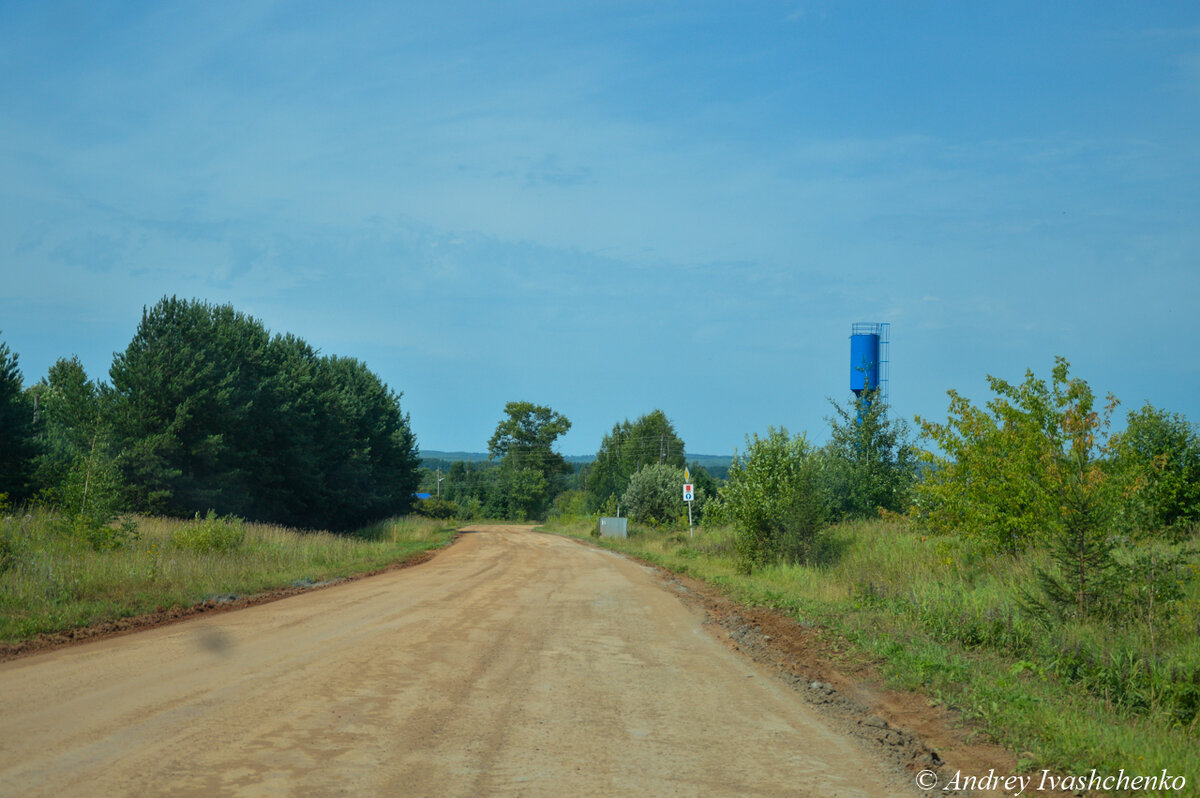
x: 513, y: 663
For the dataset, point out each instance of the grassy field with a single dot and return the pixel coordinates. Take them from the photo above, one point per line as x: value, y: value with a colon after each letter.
x: 941, y: 617
x: 54, y: 578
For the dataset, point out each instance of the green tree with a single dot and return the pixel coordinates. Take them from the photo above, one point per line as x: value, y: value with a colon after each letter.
x: 522, y: 493
x: 472, y: 487
x: 655, y: 495
x: 531, y: 472
x: 186, y: 389
x: 651, y: 440
x: 72, y: 422
x: 704, y: 482
x: 1079, y: 502
x: 871, y: 463
x: 1001, y: 475
x: 17, y: 443
x: 212, y: 412
x: 775, y: 498
x: 1156, y: 461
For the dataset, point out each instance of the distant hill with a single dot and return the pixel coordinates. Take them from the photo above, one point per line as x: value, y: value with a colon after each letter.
x: 434, y: 454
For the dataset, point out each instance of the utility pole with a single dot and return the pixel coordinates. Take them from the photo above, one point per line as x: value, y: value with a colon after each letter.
x: 439, y: 481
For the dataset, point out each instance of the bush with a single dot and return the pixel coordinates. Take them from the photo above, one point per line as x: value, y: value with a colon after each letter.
x: 468, y: 508
x: 570, y: 504
x: 433, y: 507
x: 211, y: 534
x: 1156, y: 463
x: 655, y: 496
x: 774, y: 497
x: 104, y: 537
x: 1023, y: 471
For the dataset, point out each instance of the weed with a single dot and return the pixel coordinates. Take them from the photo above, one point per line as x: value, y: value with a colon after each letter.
x: 8, y: 551
x: 211, y: 534
x: 104, y: 537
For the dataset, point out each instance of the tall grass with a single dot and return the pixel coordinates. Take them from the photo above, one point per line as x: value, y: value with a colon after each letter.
x: 944, y: 617
x: 54, y: 579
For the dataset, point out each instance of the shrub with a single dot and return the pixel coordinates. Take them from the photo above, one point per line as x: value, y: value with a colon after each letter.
x: 211, y: 533
x: 655, y: 495
x: 468, y: 508
x: 570, y: 504
x: 871, y: 465
x: 1156, y: 463
x: 105, y: 537
x: 433, y: 507
x: 1025, y: 470
x: 774, y: 496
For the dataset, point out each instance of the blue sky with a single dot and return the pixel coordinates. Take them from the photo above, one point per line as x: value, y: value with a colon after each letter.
x: 613, y: 207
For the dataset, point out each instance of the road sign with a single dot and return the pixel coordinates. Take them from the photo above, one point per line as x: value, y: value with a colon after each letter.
x: 687, y: 475
x: 687, y: 493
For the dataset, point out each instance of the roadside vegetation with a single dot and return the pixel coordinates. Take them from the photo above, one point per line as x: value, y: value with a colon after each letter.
x: 188, y: 475
x: 1018, y: 561
x: 205, y: 410
x: 1027, y: 568
x: 942, y: 616
x: 54, y: 576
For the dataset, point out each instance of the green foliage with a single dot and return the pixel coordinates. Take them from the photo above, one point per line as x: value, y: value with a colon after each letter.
x: 651, y: 440
x: 655, y: 496
x: 211, y: 534
x: 55, y: 584
x: 526, y: 435
x: 1156, y: 463
x: 611, y: 507
x: 72, y: 423
x: 871, y: 463
x: 91, y: 489
x: 17, y: 444
x: 8, y: 545
x: 471, y: 486
x: 774, y: 496
x: 210, y: 411
x: 103, y: 536
x: 1006, y: 470
x: 941, y: 615
x: 703, y: 481
x: 531, y: 473
x: 521, y: 492
x: 1079, y: 503
x: 8, y: 551
x: 433, y: 507
x: 570, y: 504
x: 716, y: 512
x: 469, y: 508
x: 1149, y: 585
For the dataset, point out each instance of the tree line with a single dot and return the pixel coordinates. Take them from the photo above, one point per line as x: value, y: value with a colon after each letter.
x: 638, y: 471
x: 1034, y: 468
x: 205, y: 409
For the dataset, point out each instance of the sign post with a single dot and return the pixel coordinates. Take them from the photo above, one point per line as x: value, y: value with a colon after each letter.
x: 688, y: 495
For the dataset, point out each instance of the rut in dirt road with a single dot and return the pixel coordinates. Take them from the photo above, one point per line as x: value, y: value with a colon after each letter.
x: 513, y: 663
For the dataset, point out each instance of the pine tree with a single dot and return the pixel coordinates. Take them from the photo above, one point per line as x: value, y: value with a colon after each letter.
x: 17, y: 445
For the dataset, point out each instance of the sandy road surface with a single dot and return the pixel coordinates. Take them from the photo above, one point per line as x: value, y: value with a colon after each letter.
x: 511, y: 664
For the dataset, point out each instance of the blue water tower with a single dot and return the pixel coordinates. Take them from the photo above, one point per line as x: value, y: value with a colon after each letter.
x: 869, y: 346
